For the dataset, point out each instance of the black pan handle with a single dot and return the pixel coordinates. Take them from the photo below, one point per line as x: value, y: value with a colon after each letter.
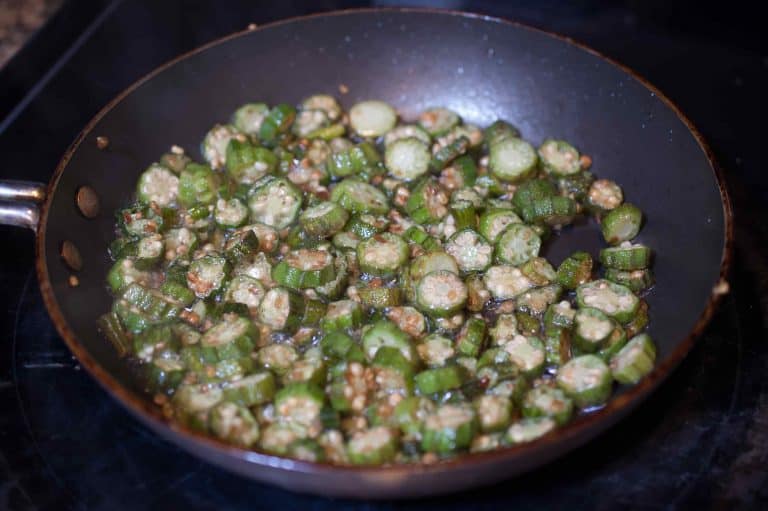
x: 19, y: 203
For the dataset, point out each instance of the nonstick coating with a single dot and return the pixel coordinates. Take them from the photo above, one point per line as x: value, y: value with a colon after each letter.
x: 482, y: 68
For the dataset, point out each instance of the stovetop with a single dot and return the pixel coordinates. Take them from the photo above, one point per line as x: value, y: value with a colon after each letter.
x: 701, y: 440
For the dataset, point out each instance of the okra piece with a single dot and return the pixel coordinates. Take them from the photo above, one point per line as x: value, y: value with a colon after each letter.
x: 248, y: 118
x: 306, y: 449
x: 604, y: 195
x: 198, y: 185
x: 536, y: 301
x: 494, y: 412
x: 230, y: 213
x: 626, y: 256
x: 471, y: 251
x: 278, y: 437
x: 234, y: 424
x: 435, y: 350
x: 636, y: 280
x: 539, y: 271
x: 449, y: 428
x: 634, y: 360
x: 386, y: 333
x: 428, y: 202
x: 323, y: 220
x: 575, y: 270
x: 341, y: 315
x: 158, y: 185
x: 207, y: 275
x: 109, y: 325
x: 559, y: 315
x: 214, y: 146
x: 471, y: 337
x: 233, y: 337
x: 614, y: 343
x: 380, y: 297
x: 546, y: 401
x: 528, y: 324
x: 373, y: 446
x: 441, y: 293
x: 586, y: 380
x: 382, y: 254
x: 591, y: 329
x: 254, y: 389
x: 358, y: 197
x: 505, y: 282
x: 407, y: 131
x: 527, y: 353
x: 407, y: 158
x: 621, y: 224
x: 559, y: 157
x: 299, y: 404
x: 440, y: 379
x: 517, y: 244
x: 464, y: 215
x: 393, y: 373
x: 512, y: 159
x: 615, y: 300
x: 274, y: 202
x: 192, y: 404
x: 247, y: 163
x: 304, y: 268
x: 638, y: 323
x: 277, y: 121
x: 449, y: 152
x: 372, y: 118
x: 498, y: 131
x: 341, y: 346
x: 529, y: 429
x: 438, y: 121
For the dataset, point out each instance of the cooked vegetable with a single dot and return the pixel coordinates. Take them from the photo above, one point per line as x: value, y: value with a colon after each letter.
x: 347, y: 288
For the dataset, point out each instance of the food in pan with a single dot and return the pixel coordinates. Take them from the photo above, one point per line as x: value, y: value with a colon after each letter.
x: 352, y: 288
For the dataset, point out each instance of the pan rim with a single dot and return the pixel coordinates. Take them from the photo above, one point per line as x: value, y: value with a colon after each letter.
x: 586, y: 427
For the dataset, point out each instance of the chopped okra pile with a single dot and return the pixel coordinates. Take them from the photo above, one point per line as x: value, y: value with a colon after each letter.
x: 353, y: 288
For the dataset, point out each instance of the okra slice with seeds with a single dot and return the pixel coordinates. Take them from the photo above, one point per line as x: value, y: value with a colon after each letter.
x: 586, y: 379
x: 278, y: 437
x: 638, y: 323
x: 441, y: 293
x: 448, y: 429
x: 506, y: 282
x: 591, y: 329
x: 234, y: 424
x: 214, y: 146
x: 517, y: 244
x: 536, y: 301
x: 382, y: 254
x: 486, y: 442
x: 254, y: 389
x: 471, y: 251
x: 305, y: 268
x: 527, y: 353
x: 359, y: 197
x: 615, y: 342
x: 548, y: 401
x: 282, y: 309
x: 407, y: 158
x: 373, y: 446
x: 324, y: 102
x: 449, y: 152
x: 512, y: 159
x: 306, y: 449
x: 504, y: 329
x: 386, y: 333
x: 621, y: 224
x: 407, y: 131
x: 341, y: 315
x: 193, y: 402
x: 431, y: 262
x: 309, y: 121
x: 559, y: 315
x: 159, y: 185
x: 604, y: 195
x: 247, y: 163
x: 494, y: 412
x: 246, y: 290
x: 149, y: 252
x: 299, y: 404
x: 627, y: 256
x: 428, y: 202
x: 324, y: 219
x: 495, y: 221
x: 435, y: 350
x: 230, y: 213
x: 559, y: 157
x: 634, y: 361
x: 207, y: 275
x: 615, y: 300
x: 393, y: 373
x: 274, y: 202
x: 409, y: 320
x: 575, y: 270
x: 277, y: 121
x: 471, y: 337
x: 248, y: 118
x: 529, y: 429
x: 197, y: 185
x: 438, y: 121
x: 372, y: 118
x: 539, y: 271
x: 498, y: 131
x: 339, y: 345
x: 233, y: 337
x: 636, y: 280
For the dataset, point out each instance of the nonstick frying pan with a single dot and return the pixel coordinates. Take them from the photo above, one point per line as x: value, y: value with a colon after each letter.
x: 484, y: 68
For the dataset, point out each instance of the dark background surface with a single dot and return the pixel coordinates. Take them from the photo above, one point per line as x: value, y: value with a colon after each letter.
x: 701, y: 440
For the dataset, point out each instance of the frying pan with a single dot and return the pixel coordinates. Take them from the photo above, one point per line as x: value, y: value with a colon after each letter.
x: 484, y: 68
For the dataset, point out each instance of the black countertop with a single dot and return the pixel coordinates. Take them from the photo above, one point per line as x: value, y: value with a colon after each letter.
x: 701, y: 440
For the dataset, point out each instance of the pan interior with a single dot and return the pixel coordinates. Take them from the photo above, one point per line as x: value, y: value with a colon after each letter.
x: 483, y: 69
